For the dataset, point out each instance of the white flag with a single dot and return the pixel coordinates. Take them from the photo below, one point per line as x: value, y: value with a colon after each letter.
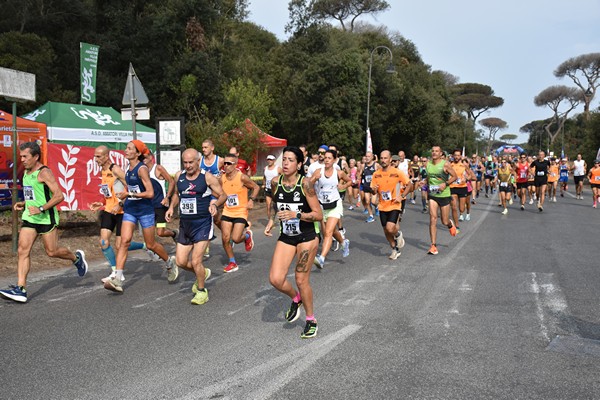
x: 369, y: 142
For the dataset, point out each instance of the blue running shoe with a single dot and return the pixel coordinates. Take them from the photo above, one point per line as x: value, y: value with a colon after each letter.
x: 370, y: 219
x: 346, y: 248
x: 80, y: 263
x: 366, y: 211
x: 15, y: 293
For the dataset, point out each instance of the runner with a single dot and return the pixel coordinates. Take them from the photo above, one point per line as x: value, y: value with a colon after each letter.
x: 522, y: 173
x: 297, y: 208
x: 271, y: 171
x: 458, y: 188
x: 531, y: 181
x: 160, y: 179
x: 440, y: 176
x: 541, y: 166
x: 505, y: 172
x: 353, y: 191
x: 472, y: 180
x: 304, y: 150
x: 579, y: 171
x: 111, y: 217
x: 563, y: 179
x: 40, y: 218
x: 198, y: 195
x: 552, y: 180
x: 342, y: 165
x: 489, y: 175
x: 594, y: 178
x: 477, y: 168
x: 242, y: 165
x: 210, y: 162
x: 424, y: 188
x: 326, y: 182
x: 388, y: 182
x: 369, y: 169
x: 138, y: 208
x: 234, y: 221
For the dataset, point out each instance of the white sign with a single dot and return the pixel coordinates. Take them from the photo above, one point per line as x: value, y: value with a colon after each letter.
x: 171, y: 160
x: 170, y: 132
x: 17, y: 85
x: 142, y: 113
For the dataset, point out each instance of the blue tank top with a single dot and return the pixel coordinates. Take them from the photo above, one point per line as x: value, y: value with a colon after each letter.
x: 194, y: 196
x: 564, y: 171
x: 213, y: 168
x: 136, y: 206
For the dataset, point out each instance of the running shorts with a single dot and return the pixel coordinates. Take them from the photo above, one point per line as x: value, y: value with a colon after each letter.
x: 111, y: 221
x: 192, y: 231
x: 441, y: 201
x: 389, y: 216
x: 579, y: 178
x: 459, y: 191
x: 297, y: 239
x: 159, y: 217
x: 234, y: 220
x: 39, y: 228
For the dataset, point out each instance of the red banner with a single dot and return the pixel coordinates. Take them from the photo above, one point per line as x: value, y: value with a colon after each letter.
x: 77, y: 174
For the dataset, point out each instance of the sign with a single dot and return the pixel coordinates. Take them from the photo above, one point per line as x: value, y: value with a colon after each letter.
x: 134, y: 88
x: 169, y: 131
x: 142, y: 113
x: 171, y: 160
x: 88, y: 55
x: 17, y: 85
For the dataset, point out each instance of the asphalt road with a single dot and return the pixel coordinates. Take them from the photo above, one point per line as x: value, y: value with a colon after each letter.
x: 510, y: 309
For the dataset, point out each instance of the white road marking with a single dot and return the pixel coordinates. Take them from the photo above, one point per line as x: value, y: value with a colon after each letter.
x: 549, y: 301
x: 298, y: 360
x: 75, y: 293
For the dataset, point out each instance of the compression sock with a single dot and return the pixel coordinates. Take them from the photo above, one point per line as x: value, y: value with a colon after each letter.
x: 109, y: 254
x: 137, y: 246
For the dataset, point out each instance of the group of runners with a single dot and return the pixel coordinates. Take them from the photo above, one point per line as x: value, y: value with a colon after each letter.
x: 304, y: 196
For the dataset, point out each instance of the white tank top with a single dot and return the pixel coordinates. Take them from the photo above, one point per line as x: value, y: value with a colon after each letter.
x: 579, y: 167
x: 161, y: 182
x: 269, y: 175
x: 327, y: 188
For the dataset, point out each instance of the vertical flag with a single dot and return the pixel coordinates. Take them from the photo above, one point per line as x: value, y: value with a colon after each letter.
x: 88, y: 63
x: 369, y: 142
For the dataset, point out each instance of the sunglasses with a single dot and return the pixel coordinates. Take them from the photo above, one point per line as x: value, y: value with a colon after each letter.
x: 227, y: 163
x: 321, y: 152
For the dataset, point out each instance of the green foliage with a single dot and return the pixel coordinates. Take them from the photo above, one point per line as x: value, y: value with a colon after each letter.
x: 247, y: 100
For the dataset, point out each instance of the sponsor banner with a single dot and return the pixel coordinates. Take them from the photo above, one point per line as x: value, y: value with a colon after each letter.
x: 77, y: 174
x: 88, y: 54
x: 98, y: 135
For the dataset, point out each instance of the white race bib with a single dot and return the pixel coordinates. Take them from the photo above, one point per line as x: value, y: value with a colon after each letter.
x: 541, y: 173
x: 504, y: 184
x: 291, y: 227
x: 233, y: 200
x: 187, y: 206
x: 523, y: 175
x: 28, y: 193
x: 434, y: 189
x: 386, y: 196
x: 368, y: 178
x: 134, y: 189
x: 105, y: 190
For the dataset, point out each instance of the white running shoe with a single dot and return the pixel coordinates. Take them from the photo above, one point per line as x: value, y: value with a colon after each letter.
x: 505, y: 211
x: 468, y: 217
x: 531, y: 201
x: 461, y: 218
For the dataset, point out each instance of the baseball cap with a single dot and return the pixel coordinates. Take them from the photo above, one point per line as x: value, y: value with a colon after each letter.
x: 324, y: 147
x: 270, y: 157
x: 395, y: 157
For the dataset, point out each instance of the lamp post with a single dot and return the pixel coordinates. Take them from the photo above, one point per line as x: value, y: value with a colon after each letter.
x: 390, y: 70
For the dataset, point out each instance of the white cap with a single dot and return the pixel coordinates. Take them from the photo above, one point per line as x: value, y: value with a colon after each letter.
x: 270, y: 157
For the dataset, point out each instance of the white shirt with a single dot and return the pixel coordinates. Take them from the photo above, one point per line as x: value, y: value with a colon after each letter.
x: 579, y: 167
x: 317, y: 165
x: 403, y: 166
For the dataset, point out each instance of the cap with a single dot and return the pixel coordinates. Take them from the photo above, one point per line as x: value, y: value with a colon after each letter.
x: 324, y: 147
x: 140, y: 146
x: 395, y: 157
x: 270, y: 157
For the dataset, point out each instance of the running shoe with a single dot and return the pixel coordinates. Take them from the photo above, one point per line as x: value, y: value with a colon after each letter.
x: 554, y: 199
x: 201, y: 297
x: 207, y: 274
x: 293, y: 312
x: 522, y: 207
x: 153, y: 256
x: 249, y: 241
x: 412, y: 201
x: 351, y: 208
x: 531, y: 201
x: 175, y: 235
x: 510, y: 202
x: 453, y: 229
x: 394, y: 254
x: 505, y: 211
x: 335, y: 246
x: 486, y: 195
x: 172, y: 270
x: 461, y: 218
x: 433, y: 250
x: 468, y: 217
x: 112, y: 275
x: 366, y: 211
x: 370, y: 219
x: 114, y: 285
x: 80, y: 263
x: 343, y: 232
x: 346, y: 249
x: 540, y: 208
x: 15, y: 293
x: 562, y: 195
x: 594, y: 206
x: 231, y: 267
x: 400, y: 240
x: 310, y: 330
x: 319, y: 261
x: 207, y: 252
x: 424, y: 211
x: 473, y: 202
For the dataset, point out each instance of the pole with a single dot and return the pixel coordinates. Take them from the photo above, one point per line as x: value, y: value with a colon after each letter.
x: 133, y: 113
x: 369, y: 85
x: 15, y: 192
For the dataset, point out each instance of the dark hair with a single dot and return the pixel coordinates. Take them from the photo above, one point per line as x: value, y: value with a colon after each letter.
x: 333, y: 153
x: 299, y: 156
x: 335, y: 146
x: 231, y: 155
x: 33, y: 147
x: 455, y: 150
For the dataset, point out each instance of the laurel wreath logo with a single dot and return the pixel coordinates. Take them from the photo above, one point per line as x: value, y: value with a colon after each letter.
x: 67, y: 172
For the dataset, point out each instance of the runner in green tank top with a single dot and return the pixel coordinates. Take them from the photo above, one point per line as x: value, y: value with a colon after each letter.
x: 439, y: 177
x: 40, y: 217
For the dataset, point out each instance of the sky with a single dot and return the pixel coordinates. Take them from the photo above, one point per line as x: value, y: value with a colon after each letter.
x: 514, y: 46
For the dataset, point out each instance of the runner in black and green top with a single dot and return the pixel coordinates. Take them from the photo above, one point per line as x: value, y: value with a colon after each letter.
x: 439, y: 177
x: 40, y: 217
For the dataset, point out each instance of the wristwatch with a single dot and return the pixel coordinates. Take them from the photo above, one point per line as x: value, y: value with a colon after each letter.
x: 42, y: 209
x: 298, y: 215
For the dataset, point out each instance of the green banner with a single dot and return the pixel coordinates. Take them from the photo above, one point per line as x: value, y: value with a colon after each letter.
x: 89, y: 63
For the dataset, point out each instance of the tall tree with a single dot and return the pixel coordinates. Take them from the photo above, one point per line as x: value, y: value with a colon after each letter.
x: 493, y: 125
x: 584, y: 71
x: 508, y: 137
x: 475, y: 99
x: 561, y: 100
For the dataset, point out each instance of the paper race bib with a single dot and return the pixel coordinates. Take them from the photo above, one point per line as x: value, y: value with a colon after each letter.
x: 368, y: 178
x: 458, y: 181
x: 105, y: 190
x: 291, y: 227
x: 387, y: 196
x: 504, y: 184
x: 597, y: 178
x: 523, y: 175
x: 28, y: 193
x: 188, y: 206
x: 434, y: 189
x: 324, y: 197
x: 134, y: 189
x: 541, y: 173
x: 232, y: 200
x: 489, y: 172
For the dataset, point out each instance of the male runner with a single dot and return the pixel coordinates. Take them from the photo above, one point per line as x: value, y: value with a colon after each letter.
x: 160, y: 179
x: 522, y: 172
x: 541, y: 166
x: 579, y: 170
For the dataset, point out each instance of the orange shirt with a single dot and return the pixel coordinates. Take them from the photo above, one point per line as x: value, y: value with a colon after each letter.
x: 461, y: 176
x: 107, y: 190
x: 595, y: 176
x: 236, y: 205
x: 386, y: 182
x: 553, y: 173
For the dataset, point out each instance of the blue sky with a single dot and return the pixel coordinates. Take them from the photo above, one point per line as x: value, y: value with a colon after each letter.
x: 513, y: 46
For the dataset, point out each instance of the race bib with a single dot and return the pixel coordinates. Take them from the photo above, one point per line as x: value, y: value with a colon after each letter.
x: 232, y: 200
x: 434, y: 189
x: 134, y: 189
x: 105, y: 190
x: 368, y: 178
x: 291, y: 227
x: 489, y: 172
x: 28, y: 193
x: 188, y: 206
x: 458, y: 181
x: 325, y: 197
x: 541, y: 173
x: 504, y: 184
x: 387, y: 196
x: 597, y: 178
x: 523, y: 175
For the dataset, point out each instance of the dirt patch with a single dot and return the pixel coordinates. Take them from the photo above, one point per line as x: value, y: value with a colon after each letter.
x: 78, y: 230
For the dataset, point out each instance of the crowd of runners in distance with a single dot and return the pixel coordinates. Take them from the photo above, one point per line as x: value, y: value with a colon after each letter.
x: 306, y: 197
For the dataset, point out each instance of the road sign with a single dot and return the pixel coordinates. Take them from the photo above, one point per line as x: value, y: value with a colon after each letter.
x: 138, y: 94
x: 17, y: 85
x: 141, y: 113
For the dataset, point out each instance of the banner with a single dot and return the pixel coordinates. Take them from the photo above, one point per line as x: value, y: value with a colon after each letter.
x: 369, y: 142
x: 88, y: 63
x: 77, y: 174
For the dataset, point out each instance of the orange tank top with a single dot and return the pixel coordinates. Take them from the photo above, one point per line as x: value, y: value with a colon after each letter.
x: 553, y: 173
x: 595, y: 176
x: 236, y: 205
x: 108, y: 192
x: 461, y: 176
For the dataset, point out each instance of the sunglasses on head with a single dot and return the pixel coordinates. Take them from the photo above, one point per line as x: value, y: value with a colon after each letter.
x: 227, y: 163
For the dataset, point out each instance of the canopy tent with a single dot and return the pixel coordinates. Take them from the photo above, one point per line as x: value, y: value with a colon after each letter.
x: 274, y: 146
x: 78, y: 124
x: 27, y: 131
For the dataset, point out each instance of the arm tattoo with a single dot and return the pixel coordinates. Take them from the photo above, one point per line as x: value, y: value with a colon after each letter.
x: 303, y: 265
x: 310, y: 189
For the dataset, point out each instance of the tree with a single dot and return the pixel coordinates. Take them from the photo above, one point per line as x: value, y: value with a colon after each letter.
x: 587, y: 65
x: 475, y: 99
x: 493, y: 125
x: 553, y: 97
x: 508, y: 137
x: 247, y: 100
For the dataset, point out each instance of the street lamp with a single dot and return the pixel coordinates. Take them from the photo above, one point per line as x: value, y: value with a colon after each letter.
x: 390, y: 70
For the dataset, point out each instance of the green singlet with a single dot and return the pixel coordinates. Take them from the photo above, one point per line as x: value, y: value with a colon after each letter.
x: 435, y: 177
x: 37, y: 194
